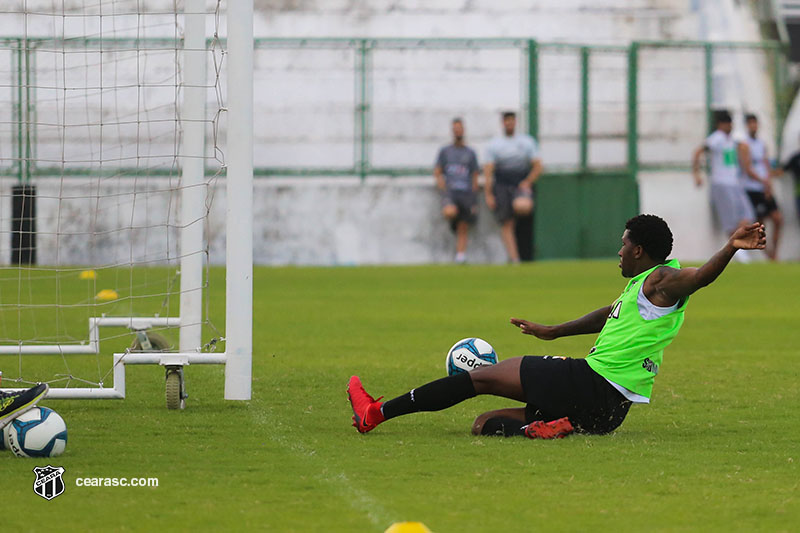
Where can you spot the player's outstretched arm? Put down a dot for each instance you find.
(698, 179)
(670, 284)
(591, 323)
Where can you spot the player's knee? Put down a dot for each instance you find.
(480, 420)
(486, 380)
(450, 211)
(522, 206)
(481, 381)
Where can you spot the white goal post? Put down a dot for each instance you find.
(239, 207)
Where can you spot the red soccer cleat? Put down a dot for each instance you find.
(556, 429)
(366, 410)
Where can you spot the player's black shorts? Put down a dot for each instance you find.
(556, 387)
(763, 205)
(504, 196)
(467, 204)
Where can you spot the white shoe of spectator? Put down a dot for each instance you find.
(743, 256)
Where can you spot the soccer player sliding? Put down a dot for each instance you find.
(591, 395)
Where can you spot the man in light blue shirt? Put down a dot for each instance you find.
(513, 166)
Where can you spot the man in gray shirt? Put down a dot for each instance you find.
(512, 167)
(456, 172)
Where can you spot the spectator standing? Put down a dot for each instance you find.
(757, 183)
(456, 172)
(512, 168)
(731, 205)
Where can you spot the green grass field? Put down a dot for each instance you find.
(717, 450)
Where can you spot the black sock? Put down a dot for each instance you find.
(434, 396)
(503, 426)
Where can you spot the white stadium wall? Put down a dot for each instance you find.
(342, 220)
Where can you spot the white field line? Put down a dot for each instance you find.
(360, 500)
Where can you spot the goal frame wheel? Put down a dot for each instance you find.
(147, 341)
(175, 387)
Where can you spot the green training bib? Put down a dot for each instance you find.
(629, 349)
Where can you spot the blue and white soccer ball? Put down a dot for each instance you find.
(40, 432)
(469, 354)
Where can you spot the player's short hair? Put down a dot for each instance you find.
(722, 116)
(457, 120)
(651, 233)
(750, 116)
(509, 114)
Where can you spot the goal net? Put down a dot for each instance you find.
(110, 156)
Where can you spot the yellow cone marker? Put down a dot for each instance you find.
(107, 294)
(88, 274)
(408, 527)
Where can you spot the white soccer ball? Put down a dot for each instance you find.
(40, 432)
(469, 354)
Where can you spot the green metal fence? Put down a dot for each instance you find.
(540, 73)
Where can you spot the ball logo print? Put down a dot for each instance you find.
(469, 354)
(48, 483)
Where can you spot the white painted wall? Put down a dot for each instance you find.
(314, 221)
(687, 209)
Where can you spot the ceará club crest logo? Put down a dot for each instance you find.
(48, 483)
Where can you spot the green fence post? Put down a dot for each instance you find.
(633, 110)
(18, 110)
(362, 109)
(777, 83)
(533, 116)
(709, 65)
(29, 113)
(584, 134)
(533, 89)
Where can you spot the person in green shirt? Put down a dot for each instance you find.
(590, 395)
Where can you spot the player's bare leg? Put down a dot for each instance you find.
(502, 422)
(509, 240)
(501, 379)
(462, 234)
(777, 224)
(450, 212)
(522, 206)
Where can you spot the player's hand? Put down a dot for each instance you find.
(540, 331)
(524, 186)
(491, 202)
(752, 237)
(698, 178)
